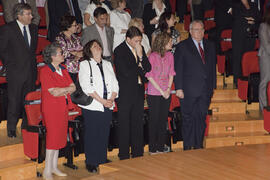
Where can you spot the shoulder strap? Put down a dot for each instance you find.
(91, 75)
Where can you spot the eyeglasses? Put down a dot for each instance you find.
(197, 30)
(60, 53)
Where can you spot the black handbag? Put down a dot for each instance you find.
(79, 97)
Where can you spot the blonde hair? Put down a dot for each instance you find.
(135, 22)
(161, 40)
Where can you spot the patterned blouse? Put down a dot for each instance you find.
(69, 45)
(174, 35)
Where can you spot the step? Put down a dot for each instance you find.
(11, 152)
(228, 81)
(237, 139)
(3, 124)
(225, 95)
(227, 107)
(20, 169)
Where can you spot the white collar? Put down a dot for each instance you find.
(21, 25)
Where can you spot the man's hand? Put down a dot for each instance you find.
(180, 93)
(139, 50)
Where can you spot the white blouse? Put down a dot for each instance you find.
(90, 10)
(145, 43)
(110, 81)
(119, 21)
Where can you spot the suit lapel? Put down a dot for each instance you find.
(205, 48)
(132, 58)
(108, 38)
(20, 35)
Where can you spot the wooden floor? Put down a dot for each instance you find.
(250, 162)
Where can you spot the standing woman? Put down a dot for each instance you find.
(89, 12)
(56, 87)
(151, 13)
(166, 24)
(264, 58)
(119, 21)
(159, 87)
(97, 115)
(70, 44)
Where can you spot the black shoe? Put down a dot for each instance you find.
(91, 168)
(187, 148)
(11, 133)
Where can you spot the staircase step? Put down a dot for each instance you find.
(237, 139)
(20, 169)
(11, 152)
(3, 124)
(228, 81)
(225, 95)
(227, 107)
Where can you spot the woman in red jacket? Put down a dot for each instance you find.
(56, 87)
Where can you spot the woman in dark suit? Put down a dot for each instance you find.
(56, 87)
(151, 13)
(97, 115)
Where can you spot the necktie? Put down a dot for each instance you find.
(25, 36)
(135, 55)
(103, 79)
(202, 53)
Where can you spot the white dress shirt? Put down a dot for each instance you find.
(145, 43)
(110, 81)
(119, 21)
(27, 31)
(103, 36)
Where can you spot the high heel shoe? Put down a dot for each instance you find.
(59, 173)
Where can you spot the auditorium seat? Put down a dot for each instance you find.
(42, 14)
(42, 43)
(40, 64)
(187, 19)
(209, 19)
(250, 73)
(2, 20)
(2, 78)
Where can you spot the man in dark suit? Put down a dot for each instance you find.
(195, 80)
(100, 31)
(131, 64)
(17, 50)
(8, 10)
(59, 8)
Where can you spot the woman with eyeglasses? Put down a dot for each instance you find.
(70, 44)
(56, 87)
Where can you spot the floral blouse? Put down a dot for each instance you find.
(69, 45)
(174, 35)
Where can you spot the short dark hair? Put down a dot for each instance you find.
(162, 23)
(50, 51)
(19, 8)
(87, 54)
(99, 11)
(66, 22)
(132, 32)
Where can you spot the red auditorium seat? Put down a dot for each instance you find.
(2, 79)
(266, 110)
(187, 18)
(226, 46)
(42, 14)
(40, 64)
(209, 20)
(42, 43)
(42, 33)
(250, 65)
(2, 20)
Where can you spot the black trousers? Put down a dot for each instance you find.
(181, 9)
(194, 112)
(96, 135)
(17, 90)
(241, 43)
(158, 111)
(130, 119)
(198, 10)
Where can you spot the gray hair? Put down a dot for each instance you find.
(19, 8)
(195, 21)
(49, 51)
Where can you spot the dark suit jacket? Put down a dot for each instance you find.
(8, 10)
(91, 32)
(17, 56)
(191, 73)
(127, 71)
(57, 9)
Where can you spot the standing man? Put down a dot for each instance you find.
(17, 50)
(100, 31)
(195, 80)
(131, 64)
(8, 10)
(59, 8)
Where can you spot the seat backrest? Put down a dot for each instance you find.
(33, 107)
(226, 40)
(42, 14)
(250, 63)
(42, 43)
(268, 93)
